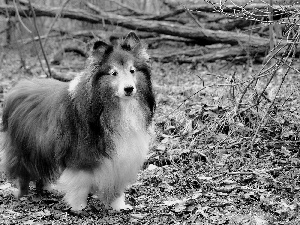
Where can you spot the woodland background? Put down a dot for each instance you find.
(226, 80)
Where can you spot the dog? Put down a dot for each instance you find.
(90, 135)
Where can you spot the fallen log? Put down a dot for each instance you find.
(231, 25)
(253, 44)
(176, 54)
(227, 53)
(205, 36)
(200, 35)
(105, 36)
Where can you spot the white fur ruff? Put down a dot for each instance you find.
(73, 84)
(109, 180)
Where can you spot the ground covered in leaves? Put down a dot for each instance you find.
(209, 163)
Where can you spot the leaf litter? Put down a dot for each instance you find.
(201, 169)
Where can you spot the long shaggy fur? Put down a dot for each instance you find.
(82, 132)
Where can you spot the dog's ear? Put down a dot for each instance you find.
(130, 41)
(133, 43)
(97, 49)
(95, 45)
(99, 45)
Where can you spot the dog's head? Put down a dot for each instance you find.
(121, 66)
(114, 73)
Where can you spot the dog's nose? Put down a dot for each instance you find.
(128, 90)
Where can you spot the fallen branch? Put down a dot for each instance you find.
(90, 34)
(229, 26)
(167, 38)
(203, 36)
(171, 56)
(251, 45)
(63, 76)
(226, 53)
(58, 56)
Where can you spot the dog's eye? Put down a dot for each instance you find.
(113, 73)
(132, 70)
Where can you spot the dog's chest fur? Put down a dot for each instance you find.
(132, 138)
(131, 144)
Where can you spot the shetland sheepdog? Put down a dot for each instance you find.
(90, 135)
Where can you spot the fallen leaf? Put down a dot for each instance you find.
(204, 178)
(138, 216)
(5, 186)
(179, 207)
(260, 221)
(151, 167)
(161, 148)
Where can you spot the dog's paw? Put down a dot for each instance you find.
(76, 202)
(122, 207)
(19, 194)
(16, 193)
(119, 204)
(126, 207)
(78, 207)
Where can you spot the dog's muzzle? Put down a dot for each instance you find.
(129, 91)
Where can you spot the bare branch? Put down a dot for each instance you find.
(136, 11)
(19, 17)
(40, 41)
(54, 21)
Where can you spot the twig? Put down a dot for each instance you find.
(136, 11)
(216, 75)
(194, 18)
(36, 38)
(232, 80)
(8, 26)
(19, 18)
(19, 46)
(189, 97)
(257, 77)
(164, 16)
(32, 39)
(54, 21)
(40, 41)
(289, 66)
(262, 123)
(271, 28)
(212, 85)
(255, 172)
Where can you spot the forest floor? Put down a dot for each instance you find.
(206, 166)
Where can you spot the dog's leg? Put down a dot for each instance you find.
(119, 203)
(23, 185)
(77, 185)
(39, 186)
